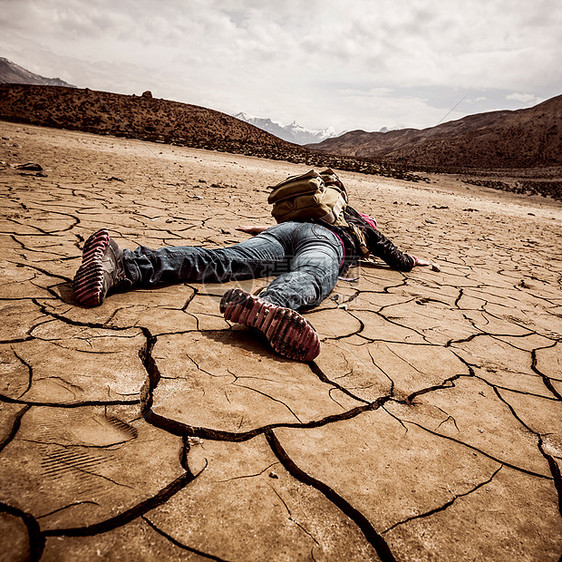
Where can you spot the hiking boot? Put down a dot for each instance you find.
(102, 269)
(288, 333)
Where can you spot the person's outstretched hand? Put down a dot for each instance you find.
(252, 229)
(418, 261)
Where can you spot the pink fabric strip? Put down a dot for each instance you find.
(342, 247)
(370, 220)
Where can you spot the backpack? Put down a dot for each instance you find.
(317, 196)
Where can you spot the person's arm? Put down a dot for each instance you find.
(252, 229)
(382, 247)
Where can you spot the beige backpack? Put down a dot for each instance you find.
(320, 196)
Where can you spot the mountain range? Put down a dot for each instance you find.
(148, 118)
(292, 133)
(11, 73)
(524, 138)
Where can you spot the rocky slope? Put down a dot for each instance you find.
(499, 139)
(11, 73)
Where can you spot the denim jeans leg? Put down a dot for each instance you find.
(306, 257)
(315, 257)
(256, 257)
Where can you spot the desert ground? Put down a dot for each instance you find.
(429, 427)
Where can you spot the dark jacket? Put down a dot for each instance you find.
(376, 243)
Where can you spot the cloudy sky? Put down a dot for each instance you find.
(345, 64)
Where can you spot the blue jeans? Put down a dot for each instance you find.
(305, 257)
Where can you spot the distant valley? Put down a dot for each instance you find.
(147, 118)
(524, 146)
(526, 138)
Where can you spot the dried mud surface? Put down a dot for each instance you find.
(429, 428)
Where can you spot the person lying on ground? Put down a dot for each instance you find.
(305, 258)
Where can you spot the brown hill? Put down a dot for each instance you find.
(133, 116)
(147, 118)
(499, 139)
(11, 73)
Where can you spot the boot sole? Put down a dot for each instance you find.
(288, 333)
(88, 281)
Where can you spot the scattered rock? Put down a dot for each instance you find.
(29, 166)
(35, 175)
(147, 94)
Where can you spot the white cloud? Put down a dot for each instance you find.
(321, 62)
(523, 98)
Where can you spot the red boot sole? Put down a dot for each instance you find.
(88, 281)
(288, 333)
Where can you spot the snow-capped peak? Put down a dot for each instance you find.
(292, 133)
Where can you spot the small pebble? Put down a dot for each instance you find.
(30, 166)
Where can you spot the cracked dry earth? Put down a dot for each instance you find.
(429, 428)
